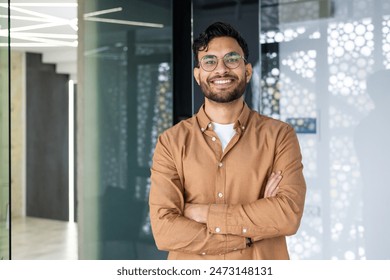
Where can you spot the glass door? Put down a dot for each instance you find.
(325, 69)
(4, 132)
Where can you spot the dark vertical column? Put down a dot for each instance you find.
(243, 15)
(9, 129)
(182, 60)
(75, 152)
(47, 140)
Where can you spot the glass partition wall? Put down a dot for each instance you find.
(4, 133)
(125, 102)
(323, 69)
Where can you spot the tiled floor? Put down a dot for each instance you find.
(43, 239)
(4, 243)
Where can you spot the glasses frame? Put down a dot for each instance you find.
(218, 59)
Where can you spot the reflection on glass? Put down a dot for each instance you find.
(126, 103)
(373, 154)
(316, 65)
(4, 136)
(386, 40)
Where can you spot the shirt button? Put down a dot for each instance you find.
(220, 164)
(220, 194)
(217, 230)
(244, 230)
(214, 139)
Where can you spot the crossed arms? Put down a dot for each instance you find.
(222, 228)
(199, 212)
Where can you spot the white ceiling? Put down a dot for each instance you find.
(48, 27)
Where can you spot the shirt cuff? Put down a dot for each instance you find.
(221, 220)
(216, 219)
(234, 243)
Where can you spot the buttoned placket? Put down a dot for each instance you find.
(221, 160)
(215, 144)
(222, 169)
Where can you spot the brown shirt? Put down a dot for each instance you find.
(189, 166)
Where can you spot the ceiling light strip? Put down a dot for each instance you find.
(38, 26)
(96, 51)
(27, 45)
(73, 23)
(39, 19)
(70, 5)
(46, 35)
(57, 43)
(125, 22)
(4, 33)
(28, 12)
(102, 12)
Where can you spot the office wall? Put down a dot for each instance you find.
(18, 134)
(4, 142)
(47, 140)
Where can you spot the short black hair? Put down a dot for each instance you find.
(218, 29)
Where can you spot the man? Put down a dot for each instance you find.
(226, 183)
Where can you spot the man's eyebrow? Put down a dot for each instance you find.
(209, 55)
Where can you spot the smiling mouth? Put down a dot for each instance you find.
(222, 82)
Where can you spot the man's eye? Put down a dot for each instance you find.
(209, 61)
(232, 59)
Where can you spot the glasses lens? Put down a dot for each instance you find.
(232, 60)
(209, 62)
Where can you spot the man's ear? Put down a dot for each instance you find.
(196, 75)
(248, 72)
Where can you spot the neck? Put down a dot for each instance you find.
(223, 113)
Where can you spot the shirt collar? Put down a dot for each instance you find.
(240, 125)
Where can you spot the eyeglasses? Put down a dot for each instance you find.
(231, 61)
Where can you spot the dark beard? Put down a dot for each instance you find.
(224, 97)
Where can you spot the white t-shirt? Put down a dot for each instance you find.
(225, 133)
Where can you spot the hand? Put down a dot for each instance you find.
(196, 212)
(272, 186)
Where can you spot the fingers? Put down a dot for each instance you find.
(187, 210)
(187, 205)
(272, 188)
(275, 191)
(196, 212)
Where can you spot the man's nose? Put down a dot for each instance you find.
(221, 67)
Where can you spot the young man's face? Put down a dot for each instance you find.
(223, 84)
